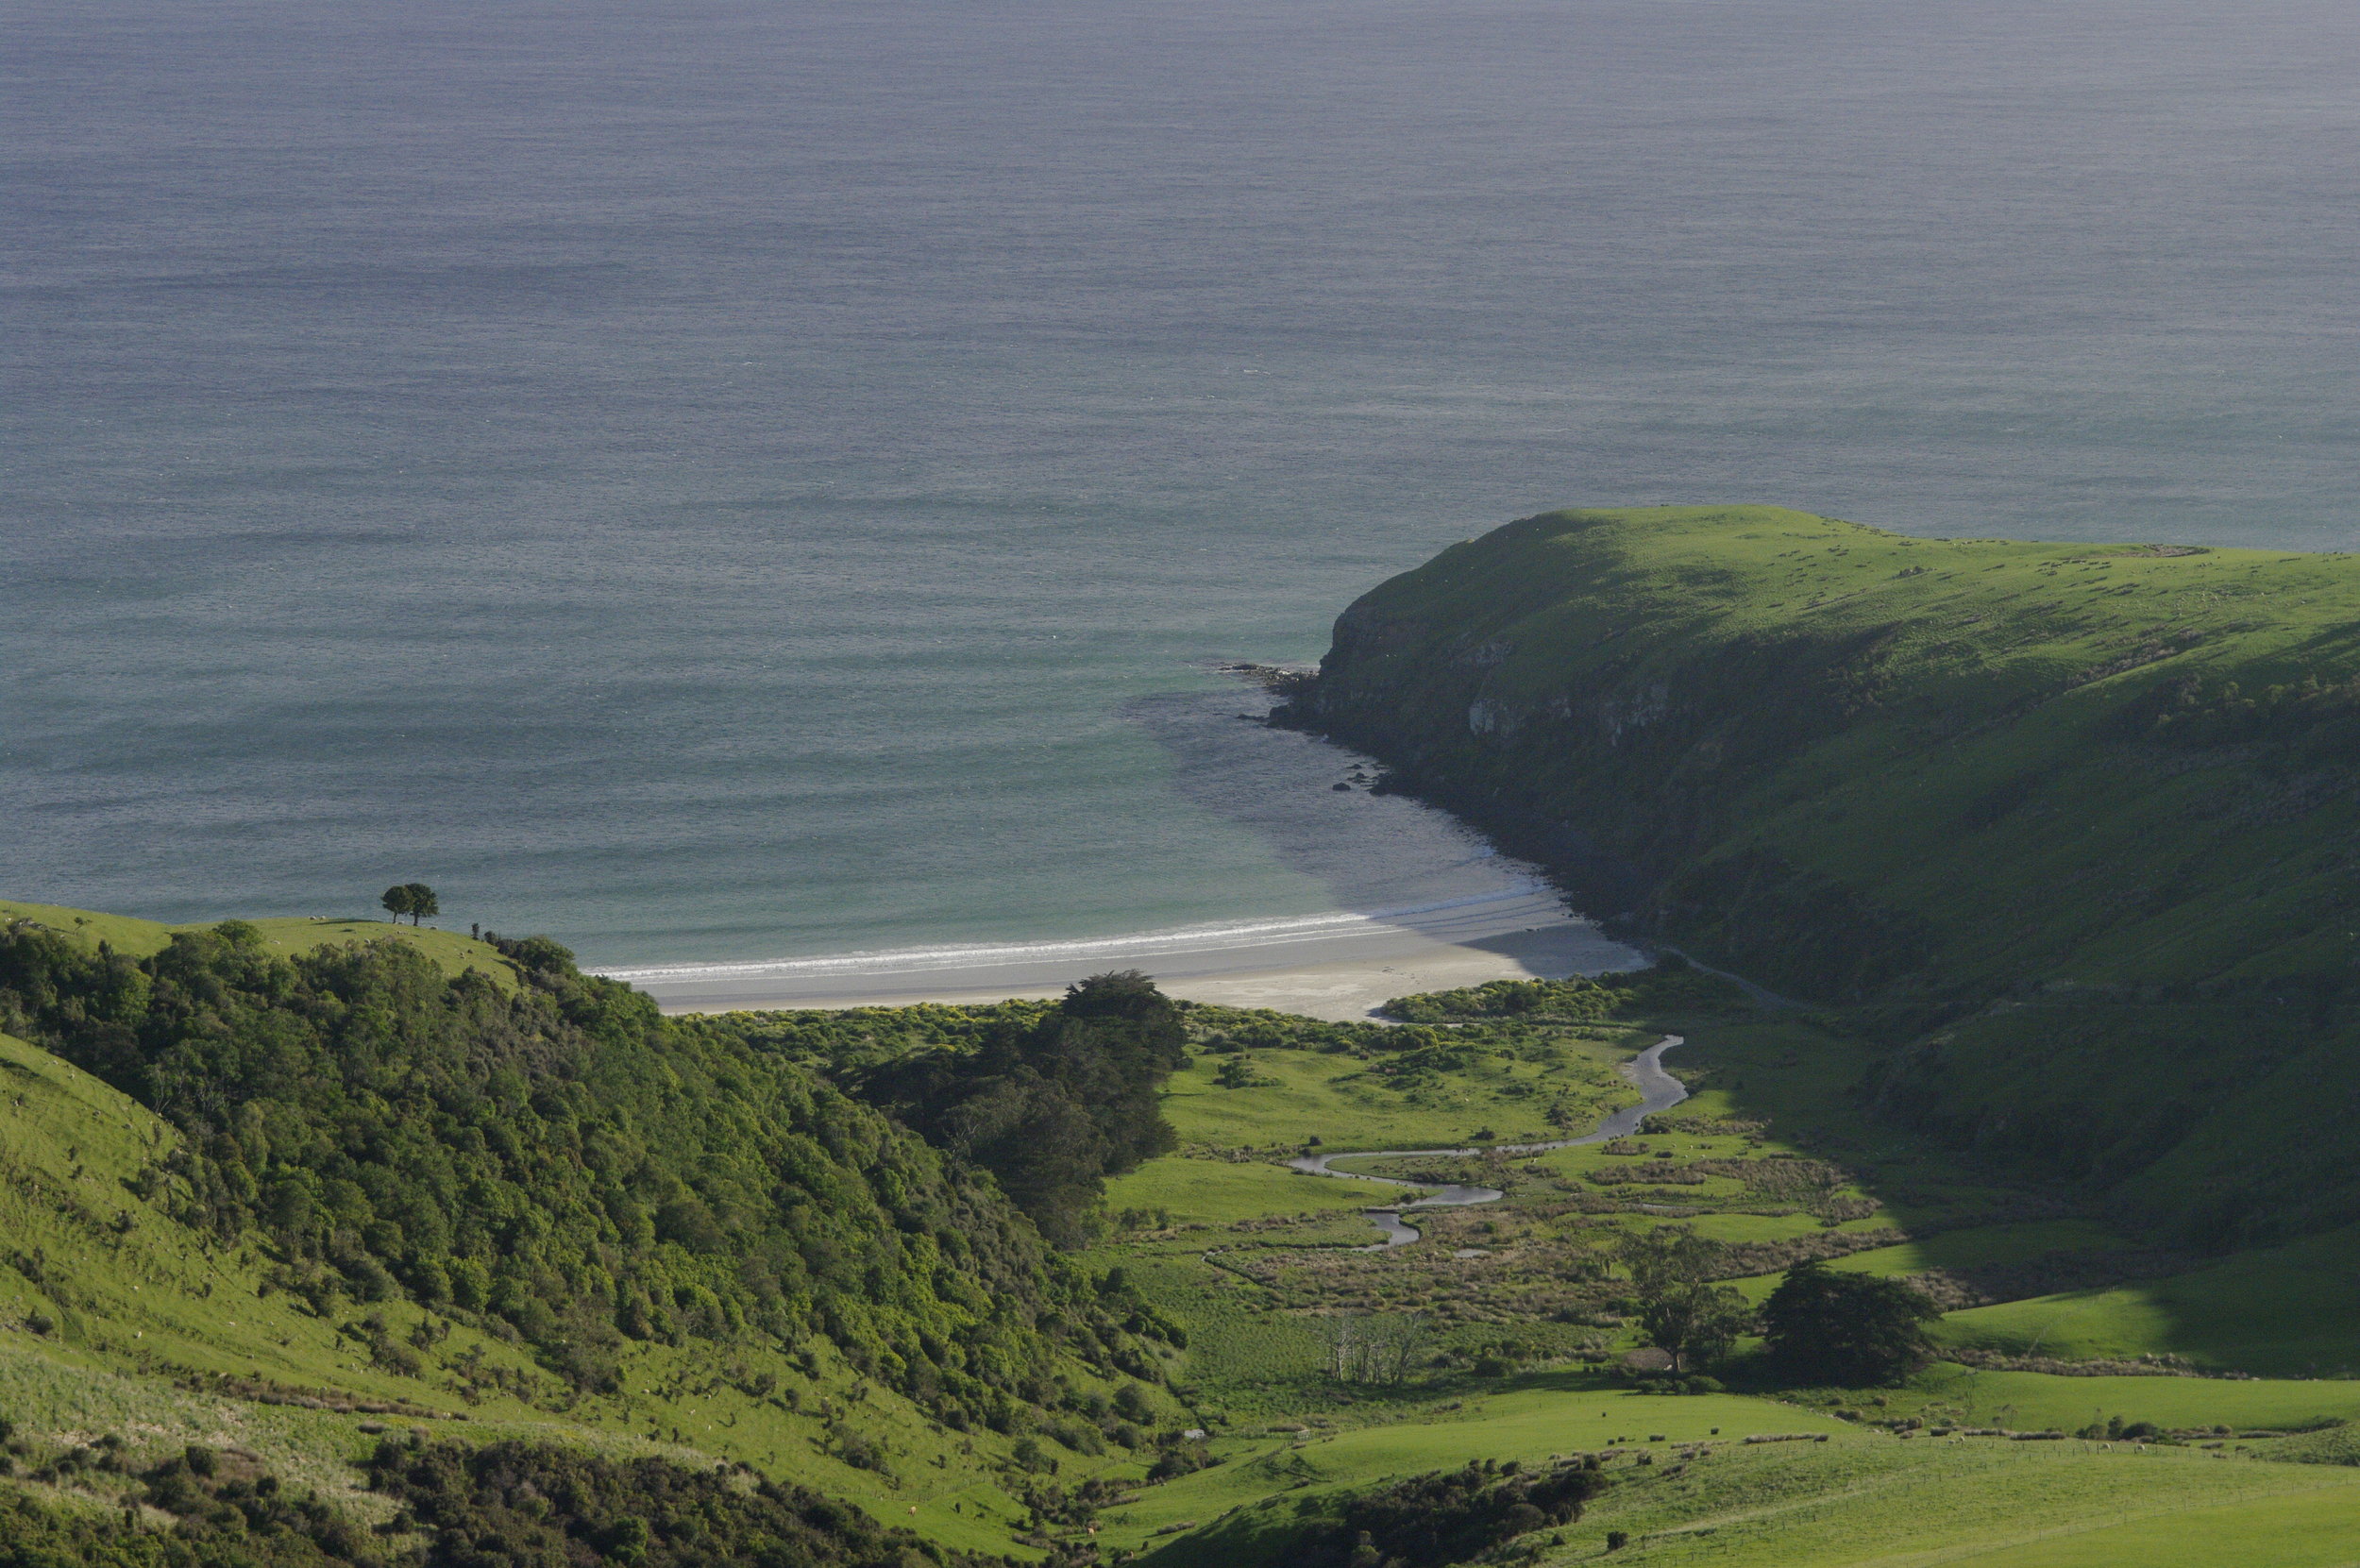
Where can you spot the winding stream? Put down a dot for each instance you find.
(1658, 1090)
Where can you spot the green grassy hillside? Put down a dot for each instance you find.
(1850, 1503)
(2073, 828)
(116, 1320)
(157, 1366)
(285, 935)
(273, 1194)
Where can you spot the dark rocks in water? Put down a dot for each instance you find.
(1345, 787)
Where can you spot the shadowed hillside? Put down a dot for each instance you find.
(2071, 827)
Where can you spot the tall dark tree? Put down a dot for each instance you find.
(398, 900)
(1827, 1326)
(1680, 1310)
(1054, 1108)
(421, 900)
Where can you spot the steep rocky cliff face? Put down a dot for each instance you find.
(2076, 823)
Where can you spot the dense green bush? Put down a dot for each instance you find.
(518, 1505)
(35, 1537)
(1446, 1516)
(1671, 982)
(1825, 1325)
(1575, 1000)
(1053, 1105)
(221, 1518)
(506, 1505)
(1232, 1029)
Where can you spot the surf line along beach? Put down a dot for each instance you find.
(1658, 1090)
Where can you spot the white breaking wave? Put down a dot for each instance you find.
(1186, 940)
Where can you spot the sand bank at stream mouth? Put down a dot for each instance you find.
(1339, 965)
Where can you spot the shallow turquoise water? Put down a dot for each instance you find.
(716, 480)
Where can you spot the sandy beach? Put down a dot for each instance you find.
(1339, 965)
(1414, 901)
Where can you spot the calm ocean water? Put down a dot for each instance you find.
(720, 480)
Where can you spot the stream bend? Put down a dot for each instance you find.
(1658, 1090)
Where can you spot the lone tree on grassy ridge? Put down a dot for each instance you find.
(1822, 1325)
(1680, 1310)
(413, 898)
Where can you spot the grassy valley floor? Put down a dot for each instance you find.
(1770, 1156)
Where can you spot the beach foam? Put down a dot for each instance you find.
(1338, 964)
(1335, 926)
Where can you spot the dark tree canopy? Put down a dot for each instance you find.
(1680, 1310)
(1827, 1325)
(413, 898)
(1447, 1516)
(1127, 994)
(502, 1505)
(1055, 1106)
(519, 1505)
(1696, 1322)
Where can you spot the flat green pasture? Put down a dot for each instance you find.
(1860, 1498)
(1340, 1100)
(1206, 1192)
(1551, 1414)
(2032, 1400)
(1750, 1227)
(1243, 1356)
(1964, 1249)
(2294, 1310)
(1973, 1500)
(2314, 1529)
(123, 933)
(1954, 1249)
(453, 952)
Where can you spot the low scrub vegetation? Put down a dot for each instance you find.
(1448, 1516)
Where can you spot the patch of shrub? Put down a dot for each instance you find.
(1447, 1516)
(1826, 1326)
(1053, 1105)
(1178, 1458)
(518, 1505)
(1667, 1384)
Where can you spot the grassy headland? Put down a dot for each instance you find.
(2071, 833)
